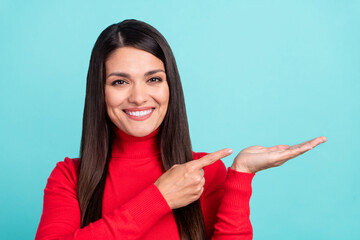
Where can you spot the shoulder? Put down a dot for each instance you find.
(64, 173)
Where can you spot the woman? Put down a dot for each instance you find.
(137, 177)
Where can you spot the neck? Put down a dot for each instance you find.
(129, 147)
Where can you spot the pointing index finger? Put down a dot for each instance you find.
(212, 157)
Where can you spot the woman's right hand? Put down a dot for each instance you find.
(184, 183)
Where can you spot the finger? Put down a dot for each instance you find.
(201, 191)
(301, 148)
(280, 157)
(202, 172)
(317, 141)
(202, 183)
(311, 143)
(277, 148)
(211, 158)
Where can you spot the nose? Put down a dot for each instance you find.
(138, 94)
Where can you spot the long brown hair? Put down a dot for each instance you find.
(97, 136)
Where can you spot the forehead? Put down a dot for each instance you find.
(132, 60)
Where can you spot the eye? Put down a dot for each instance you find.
(155, 79)
(118, 82)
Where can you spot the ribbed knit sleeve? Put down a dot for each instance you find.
(233, 216)
(225, 202)
(61, 213)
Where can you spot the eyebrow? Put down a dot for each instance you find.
(126, 75)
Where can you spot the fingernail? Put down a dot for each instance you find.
(229, 150)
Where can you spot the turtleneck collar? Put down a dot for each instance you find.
(129, 147)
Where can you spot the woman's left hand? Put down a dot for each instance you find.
(257, 158)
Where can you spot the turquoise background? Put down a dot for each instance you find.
(253, 72)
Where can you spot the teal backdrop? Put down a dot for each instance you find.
(253, 73)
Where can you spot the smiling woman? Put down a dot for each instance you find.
(137, 176)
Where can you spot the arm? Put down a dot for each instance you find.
(233, 216)
(225, 202)
(61, 212)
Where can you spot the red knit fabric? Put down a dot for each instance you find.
(133, 207)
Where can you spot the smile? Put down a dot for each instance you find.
(140, 114)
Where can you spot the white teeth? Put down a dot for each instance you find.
(139, 113)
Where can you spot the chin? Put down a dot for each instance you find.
(140, 132)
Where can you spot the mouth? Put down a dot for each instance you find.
(139, 114)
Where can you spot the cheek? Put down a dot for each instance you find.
(163, 97)
(113, 99)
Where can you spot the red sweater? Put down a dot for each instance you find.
(133, 207)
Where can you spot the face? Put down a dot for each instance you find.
(136, 91)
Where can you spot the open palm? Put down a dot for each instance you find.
(257, 158)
